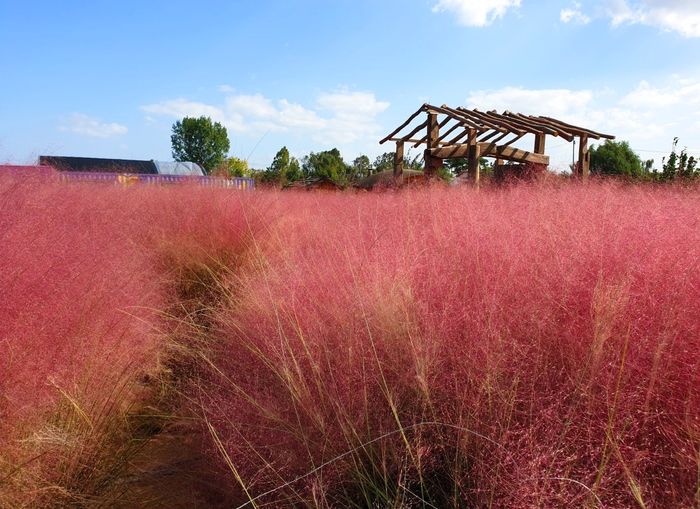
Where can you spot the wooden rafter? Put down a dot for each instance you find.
(492, 120)
(578, 130)
(408, 121)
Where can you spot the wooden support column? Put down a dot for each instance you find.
(540, 143)
(584, 158)
(474, 156)
(398, 162)
(432, 163)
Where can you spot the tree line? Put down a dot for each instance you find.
(206, 143)
(616, 158)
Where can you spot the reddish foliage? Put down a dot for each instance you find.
(533, 342)
(563, 325)
(84, 282)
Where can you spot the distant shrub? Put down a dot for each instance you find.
(616, 158)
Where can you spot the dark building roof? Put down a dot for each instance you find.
(94, 164)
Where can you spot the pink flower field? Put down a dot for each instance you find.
(522, 346)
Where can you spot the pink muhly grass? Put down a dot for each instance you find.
(88, 274)
(533, 346)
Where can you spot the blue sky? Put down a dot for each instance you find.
(108, 79)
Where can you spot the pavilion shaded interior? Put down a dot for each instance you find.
(452, 133)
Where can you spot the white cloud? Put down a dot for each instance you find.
(226, 89)
(649, 116)
(574, 15)
(679, 91)
(682, 16)
(180, 107)
(558, 102)
(338, 117)
(352, 117)
(476, 13)
(84, 124)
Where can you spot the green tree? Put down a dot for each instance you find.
(361, 167)
(679, 165)
(384, 162)
(201, 141)
(294, 172)
(327, 164)
(284, 168)
(233, 167)
(461, 164)
(616, 158)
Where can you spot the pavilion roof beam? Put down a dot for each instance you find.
(457, 116)
(490, 150)
(545, 127)
(442, 124)
(499, 119)
(489, 136)
(458, 137)
(418, 142)
(497, 139)
(535, 128)
(512, 124)
(487, 147)
(498, 125)
(443, 135)
(424, 125)
(398, 129)
(578, 130)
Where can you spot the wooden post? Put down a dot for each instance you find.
(398, 162)
(540, 143)
(584, 158)
(432, 164)
(473, 158)
(474, 167)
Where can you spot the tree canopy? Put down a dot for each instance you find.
(201, 141)
(361, 168)
(327, 164)
(284, 168)
(679, 165)
(234, 167)
(616, 158)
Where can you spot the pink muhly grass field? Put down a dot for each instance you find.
(87, 274)
(524, 346)
(532, 346)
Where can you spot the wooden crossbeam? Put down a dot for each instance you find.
(490, 150)
(513, 154)
(451, 151)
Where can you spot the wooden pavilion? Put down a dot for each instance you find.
(463, 133)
